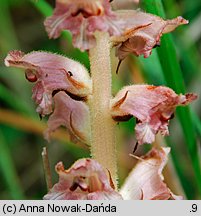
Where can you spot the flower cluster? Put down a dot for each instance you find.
(65, 85)
(86, 179)
(63, 89)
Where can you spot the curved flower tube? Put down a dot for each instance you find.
(52, 73)
(152, 106)
(142, 32)
(72, 114)
(59, 85)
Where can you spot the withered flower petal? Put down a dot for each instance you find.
(145, 181)
(153, 107)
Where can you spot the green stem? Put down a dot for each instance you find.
(173, 75)
(103, 147)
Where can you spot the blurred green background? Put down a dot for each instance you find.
(177, 63)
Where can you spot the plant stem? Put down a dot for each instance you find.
(46, 165)
(103, 147)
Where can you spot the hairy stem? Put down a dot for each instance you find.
(103, 147)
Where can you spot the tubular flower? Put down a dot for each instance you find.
(142, 32)
(145, 181)
(82, 18)
(52, 74)
(72, 114)
(152, 106)
(86, 180)
(134, 31)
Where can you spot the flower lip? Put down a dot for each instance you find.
(85, 179)
(85, 13)
(86, 8)
(152, 106)
(142, 32)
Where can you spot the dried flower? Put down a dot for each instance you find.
(153, 107)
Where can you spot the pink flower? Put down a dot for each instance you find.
(142, 32)
(145, 181)
(82, 18)
(53, 74)
(72, 114)
(135, 31)
(153, 107)
(86, 179)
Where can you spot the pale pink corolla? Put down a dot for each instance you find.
(61, 85)
(152, 106)
(72, 114)
(145, 181)
(142, 32)
(52, 73)
(84, 180)
(82, 19)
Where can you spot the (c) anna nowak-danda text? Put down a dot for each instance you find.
(67, 208)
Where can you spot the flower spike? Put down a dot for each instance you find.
(152, 106)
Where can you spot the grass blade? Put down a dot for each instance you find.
(173, 76)
(8, 170)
